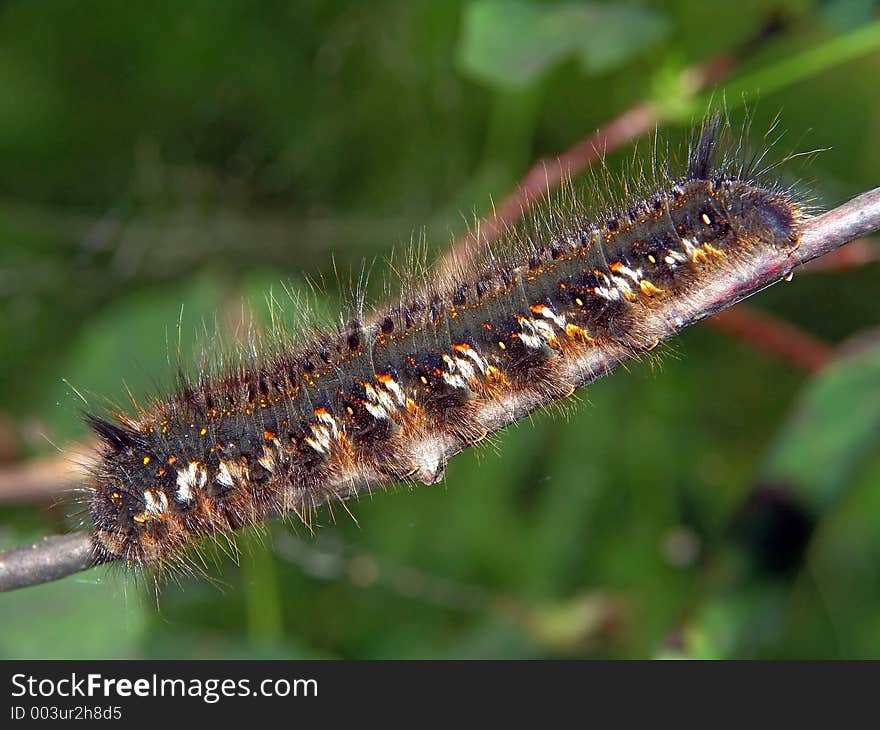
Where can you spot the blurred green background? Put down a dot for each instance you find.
(162, 155)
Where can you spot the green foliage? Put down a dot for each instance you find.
(166, 156)
(832, 431)
(514, 43)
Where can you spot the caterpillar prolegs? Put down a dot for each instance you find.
(391, 396)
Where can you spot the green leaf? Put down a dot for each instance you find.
(832, 430)
(512, 44)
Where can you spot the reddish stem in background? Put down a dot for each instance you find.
(854, 255)
(774, 336)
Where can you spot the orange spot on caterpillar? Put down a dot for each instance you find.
(649, 289)
(203, 432)
(577, 333)
(146, 460)
(494, 374)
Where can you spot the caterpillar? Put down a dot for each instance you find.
(391, 396)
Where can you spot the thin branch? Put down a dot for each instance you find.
(47, 559)
(56, 557)
(829, 231)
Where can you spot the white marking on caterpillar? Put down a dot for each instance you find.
(155, 505)
(268, 460)
(547, 313)
(536, 343)
(455, 381)
(392, 386)
(529, 336)
(695, 250)
(379, 397)
(193, 477)
(470, 352)
(376, 411)
(612, 294)
(321, 442)
(546, 330)
(621, 285)
(635, 275)
(465, 368)
(224, 476)
(322, 415)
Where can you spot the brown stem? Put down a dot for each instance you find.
(47, 559)
(41, 480)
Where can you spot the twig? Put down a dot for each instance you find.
(48, 559)
(56, 557)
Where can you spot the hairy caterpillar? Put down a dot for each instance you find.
(392, 396)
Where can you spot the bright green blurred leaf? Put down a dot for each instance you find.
(833, 428)
(512, 44)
